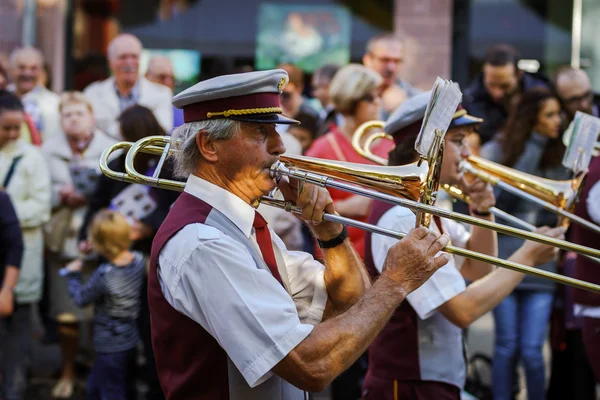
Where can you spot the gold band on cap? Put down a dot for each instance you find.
(247, 111)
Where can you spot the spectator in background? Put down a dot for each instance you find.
(136, 123)
(292, 101)
(355, 94)
(160, 70)
(114, 289)
(72, 159)
(320, 89)
(530, 143)
(11, 254)
(29, 132)
(385, 55)
(3, 77)
(575, 92)
(25, 178)
(27, 66)
(125, 88)
(495, 91)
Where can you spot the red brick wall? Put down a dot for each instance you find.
(426, 27)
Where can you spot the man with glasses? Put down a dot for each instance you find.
(574, 89)
(385, 55)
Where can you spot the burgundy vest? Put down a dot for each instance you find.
(586, 269)
(190, 365)
(394, 354)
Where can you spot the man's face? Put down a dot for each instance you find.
(125, 60)
(245, 160)
(77, 121)
(10, 126)
(387, 59)
(576, 94)
(455, 150)
(291, 99)
(162, 73)
(501, 82)
(320, 89)
(26, 72)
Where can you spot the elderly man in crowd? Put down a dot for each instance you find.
(126, 88)
(160, 70)
(234, 314)
(574, 89)
(385, 55)
(41, 105)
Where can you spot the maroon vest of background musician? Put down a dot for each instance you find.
(400, 361)
(586, 269)
(190, 362)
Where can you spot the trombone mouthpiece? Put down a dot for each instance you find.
(277, 170)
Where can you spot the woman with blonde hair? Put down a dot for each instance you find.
(355, 94)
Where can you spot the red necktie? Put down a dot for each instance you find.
(263, 237)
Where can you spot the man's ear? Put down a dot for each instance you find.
(206, 146)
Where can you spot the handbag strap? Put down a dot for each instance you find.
(336, 148)
(11, 171)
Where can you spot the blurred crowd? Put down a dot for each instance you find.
(64, 224)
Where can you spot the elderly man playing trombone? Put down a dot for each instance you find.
(234, 314)
(419, 354)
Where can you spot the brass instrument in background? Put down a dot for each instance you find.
(374, 182)
(558, 197)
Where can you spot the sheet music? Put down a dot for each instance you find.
(583, 132)
(445, 98)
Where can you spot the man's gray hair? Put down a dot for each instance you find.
(187, 155)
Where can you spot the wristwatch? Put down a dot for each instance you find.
(336, 241)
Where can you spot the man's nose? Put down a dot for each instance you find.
(277, 146)
(465, 150)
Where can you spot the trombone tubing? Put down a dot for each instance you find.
(558, 278)
(280, 168)
(467, 167)
(132, 176)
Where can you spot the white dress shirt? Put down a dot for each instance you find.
(446, 282)
(212, 278)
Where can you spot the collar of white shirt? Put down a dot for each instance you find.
(235, 209)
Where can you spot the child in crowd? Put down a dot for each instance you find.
(114, 288)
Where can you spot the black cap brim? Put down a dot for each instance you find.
(265, 119)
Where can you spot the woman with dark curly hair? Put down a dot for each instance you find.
(531, 143)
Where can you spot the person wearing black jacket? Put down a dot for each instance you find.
(11, 253)
(136, 123)
(498, 87)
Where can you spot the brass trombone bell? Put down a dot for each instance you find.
(558, 197)
(153, 144)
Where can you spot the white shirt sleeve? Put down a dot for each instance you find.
(213, 280)
(593, 203)
(444, 284)
(306, 282)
